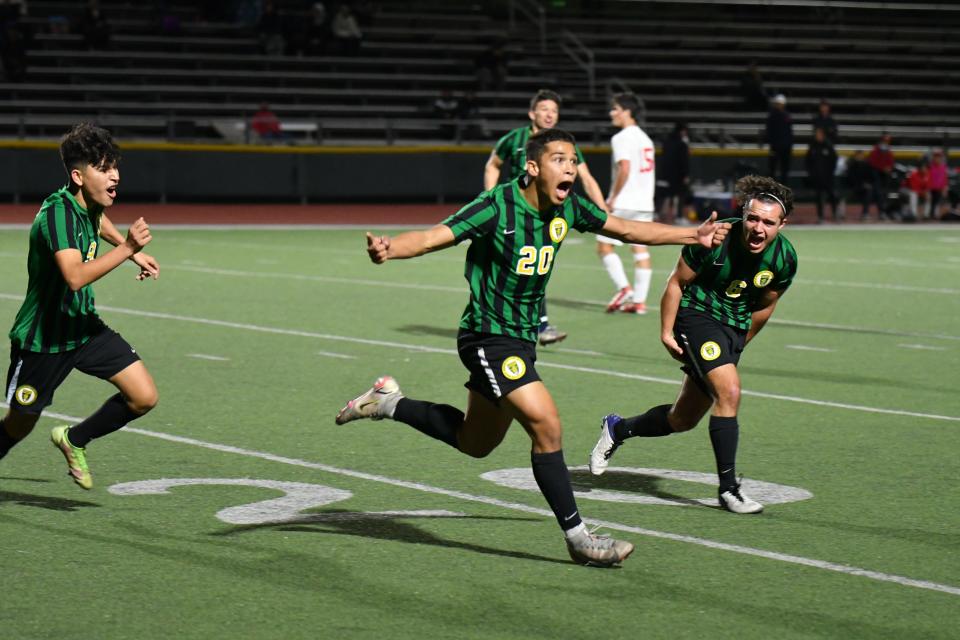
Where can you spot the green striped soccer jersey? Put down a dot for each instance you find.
(53, 318)
(730, 279)
(512, 254)
(512, 149)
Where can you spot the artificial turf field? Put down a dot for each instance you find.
(238, 509)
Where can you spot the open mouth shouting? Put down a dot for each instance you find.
(563, 189)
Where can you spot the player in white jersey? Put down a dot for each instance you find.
(631, 197)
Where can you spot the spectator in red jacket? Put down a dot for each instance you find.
(881, 162)
(266, 124)
(918, 188)
(939, 182)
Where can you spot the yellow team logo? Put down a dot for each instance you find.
(710, 351)
(736, 288)
(26, 395)
(558, 230)
(513, 368)
(92, 250)
(762, 279)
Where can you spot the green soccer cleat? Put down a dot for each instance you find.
(76, 460)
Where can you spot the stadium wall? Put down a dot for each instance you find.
(167, 172)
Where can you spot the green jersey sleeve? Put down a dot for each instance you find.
(57, 228)
(475, 219)
(504, 148)
(588, 217)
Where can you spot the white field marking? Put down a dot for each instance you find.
(204, 356)
(880, 285)
(331, 354)
(599, 303)
(801, 347)
(921, 346)
(300, 276)
(516, 506)
(554, 365)
(581, 352)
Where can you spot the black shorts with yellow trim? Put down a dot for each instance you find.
(33, 377)
(497, 364)
(707, 344)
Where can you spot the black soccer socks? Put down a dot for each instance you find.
(724, 435)
(553, 478)
(113, 415)
(6, 441)
(440, 421)
(651, 424)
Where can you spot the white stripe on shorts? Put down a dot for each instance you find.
(13, 381)
(486, 367)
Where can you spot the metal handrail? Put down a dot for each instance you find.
(582, 56)
(534, 12)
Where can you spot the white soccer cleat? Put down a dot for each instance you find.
(373, 403)
(598, 551)
(618, 299)
(606, 445)
(551, 335)
(734, 501)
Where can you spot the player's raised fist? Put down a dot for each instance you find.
(377, 247)
(138, 235)
(712, 233)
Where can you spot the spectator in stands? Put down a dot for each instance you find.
(779, 134)
(318, 30)
(821, 161)
(939, 182)
(753, 90)
(273, 42)
(881, 163)
(94, 27)
(859, 181)
(346, 31)
(823, 119)
(266, 124)
(490, 66)
(445, 107)
(15, 37)
(917, 184)
(673, 167)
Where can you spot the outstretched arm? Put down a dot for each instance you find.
(409, 244)
(491, 171)
(682, 276)
(765, 309)
(79, 274)
(709, 234)
(149, 267)
(591, 187)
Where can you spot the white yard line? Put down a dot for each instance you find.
(205, 356)
(554, 365)
(516, 506)
(330, 354)
(802, 347)
(922, 347)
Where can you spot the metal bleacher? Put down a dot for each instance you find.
(882, 66)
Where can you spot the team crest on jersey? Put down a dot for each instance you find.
(558, 230)
(513, 368)
(26, 395)
(762, 279)
(736, 288)
(92, 250)
(710, 351)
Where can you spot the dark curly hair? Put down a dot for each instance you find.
(764, 189)
(88, 144)
(539, 141)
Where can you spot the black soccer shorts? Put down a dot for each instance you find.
(33, 377)
(497, 364)
(707, 344)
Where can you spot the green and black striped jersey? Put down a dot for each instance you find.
(730, 279)
(53, 318)
(512, 149)
(512, 254)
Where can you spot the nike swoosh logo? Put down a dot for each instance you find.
(508, 232)
(570, 517)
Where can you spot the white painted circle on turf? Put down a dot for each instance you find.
(764, 492)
